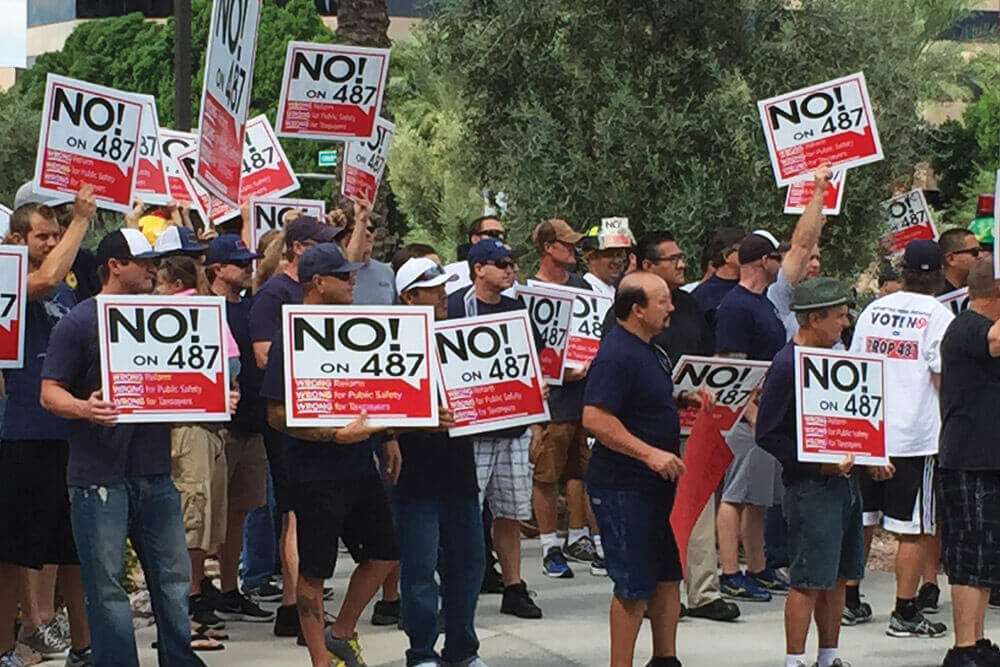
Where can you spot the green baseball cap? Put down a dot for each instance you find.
(818, 293)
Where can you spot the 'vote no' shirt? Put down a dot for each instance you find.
(905, 329)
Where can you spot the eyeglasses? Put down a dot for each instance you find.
(503, 264)
(429, 274)
(498, 234)
(967, 251)
(676, 257)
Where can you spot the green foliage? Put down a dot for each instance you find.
(18, 144)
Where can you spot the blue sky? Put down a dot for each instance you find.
(13, 29)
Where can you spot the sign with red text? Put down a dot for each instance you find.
(211, 209)
(340, 360)
(163, 358)
(839, 406)
(731, 380)
(830, 123)
(150, 183)
(800, 193)
(266, 170)
(908, 217)
(225, 96)
(268, 213)
(489, 371)
(957, 300)
(584, 337)
(172, 144)
(364, 162)
(89, 135)
(331, 91)
(13, 301)
(550, 310)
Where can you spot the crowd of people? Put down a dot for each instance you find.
(434, 522)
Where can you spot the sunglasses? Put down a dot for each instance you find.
(429, 274)
(497, 234)
(968, 251)
(503, 264)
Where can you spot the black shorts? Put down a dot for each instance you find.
(34, 504)
(903, 504)
(969, 501)
(355, 511)
(275, 446)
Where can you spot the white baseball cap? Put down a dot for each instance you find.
(421, 272)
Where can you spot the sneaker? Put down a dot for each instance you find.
(581, 551)
(855, 615)
(210, 595)
(61, 622)
(988, 651)
(234, 606)
(45, 641)
(716, 610)
(918, 627)
(202, 614)
(928, 599)
(11, 659)
(742, 587)
(769, 580)
(83, 659)
(386, 613)
(265, 591)
(492, 581)
(344, 652)
(965, 657)
(554, 564)
(517, 602)
(286, 621)
(598, 567)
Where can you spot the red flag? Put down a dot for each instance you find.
(705, 460)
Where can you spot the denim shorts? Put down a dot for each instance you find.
(639, 546)
(825, 533)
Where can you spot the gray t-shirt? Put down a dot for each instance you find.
(374, 285)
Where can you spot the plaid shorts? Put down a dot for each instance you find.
(969, 506)
(504, 475)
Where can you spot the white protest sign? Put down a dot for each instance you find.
(340, 360)
(172, 144)
(331, 91)
(225, 96)
(150, 183)
(908, 218)
(13, 301)
(731, 380)
(268, 213)
(957, 300)
(550, 310)
(830, 123)
(489, 371)
(364, 163)
(163, 358)
(89, 135)
(586, 323)
(839, 406)
(211, 209)
(615, 233)
(800, 193)
(5, 214)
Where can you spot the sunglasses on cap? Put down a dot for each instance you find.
(502, 264)
(497, 234)
(429, 274)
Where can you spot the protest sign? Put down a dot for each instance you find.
(589, 309)
(800, 193)
(830, 123)
(269, 213)
(615, 233)
(150, 183)
(956, 300)
(908, 218)
(13, 301)
(89, 135)
(211, 209)
(731, 380)
(172, 144)
(225, 96)
(340, 360)
(331, 91)
(163, 358)
(839, 406)
(489, 372)
(266, 170)
(550, 310)
(4, 220)
(364, 162)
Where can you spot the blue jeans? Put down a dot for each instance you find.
(447, 535)
(147, 510)
(775, 537)
(259, 559)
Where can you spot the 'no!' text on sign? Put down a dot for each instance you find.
(89, 135)
(839, 405)
(828, 123)
(364, 162)
(173, 144)
(550, 310)
(489, 371)
(586, 322)
(269, 213)
(163, 359)
(340, 360)
(908, 218)
(13, 300)
(731, 380)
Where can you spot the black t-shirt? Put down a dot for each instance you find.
(435, 465)
(970, 395)
(709, 295)
(566, 401)
(748, 323)
(687, 333)
(249, 417)
(265, 313)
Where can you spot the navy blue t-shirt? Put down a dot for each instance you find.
(629, 377)
(435, 465)
(265, 312)
(314, 461)
(249, 418)
(748, 323)
(709, 294)
(25, 418)
(99, 454)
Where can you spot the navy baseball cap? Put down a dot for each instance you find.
(228, 248)
(324, 259)
(125, 244)
(922, 255)
(487, 250)
(306, 228)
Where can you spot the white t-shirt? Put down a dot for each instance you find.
(599, 285)
(689, 287)
(905, 329)
(460, 269)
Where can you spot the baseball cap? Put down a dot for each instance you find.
(124, 244)
(922, 255)
(421, 272)
(818, 293)
(307, 228)
(178, 240)
(324, 259)
(27, 194)
(487, 250)
(228, 248)
(757, 244)
(555, 229)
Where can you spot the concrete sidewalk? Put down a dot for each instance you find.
(574, 631)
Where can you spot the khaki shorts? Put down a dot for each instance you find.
(562, 449)
(198, 466)
(246, 460)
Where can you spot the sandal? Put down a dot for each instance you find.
(202, 642)
(211, 633)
